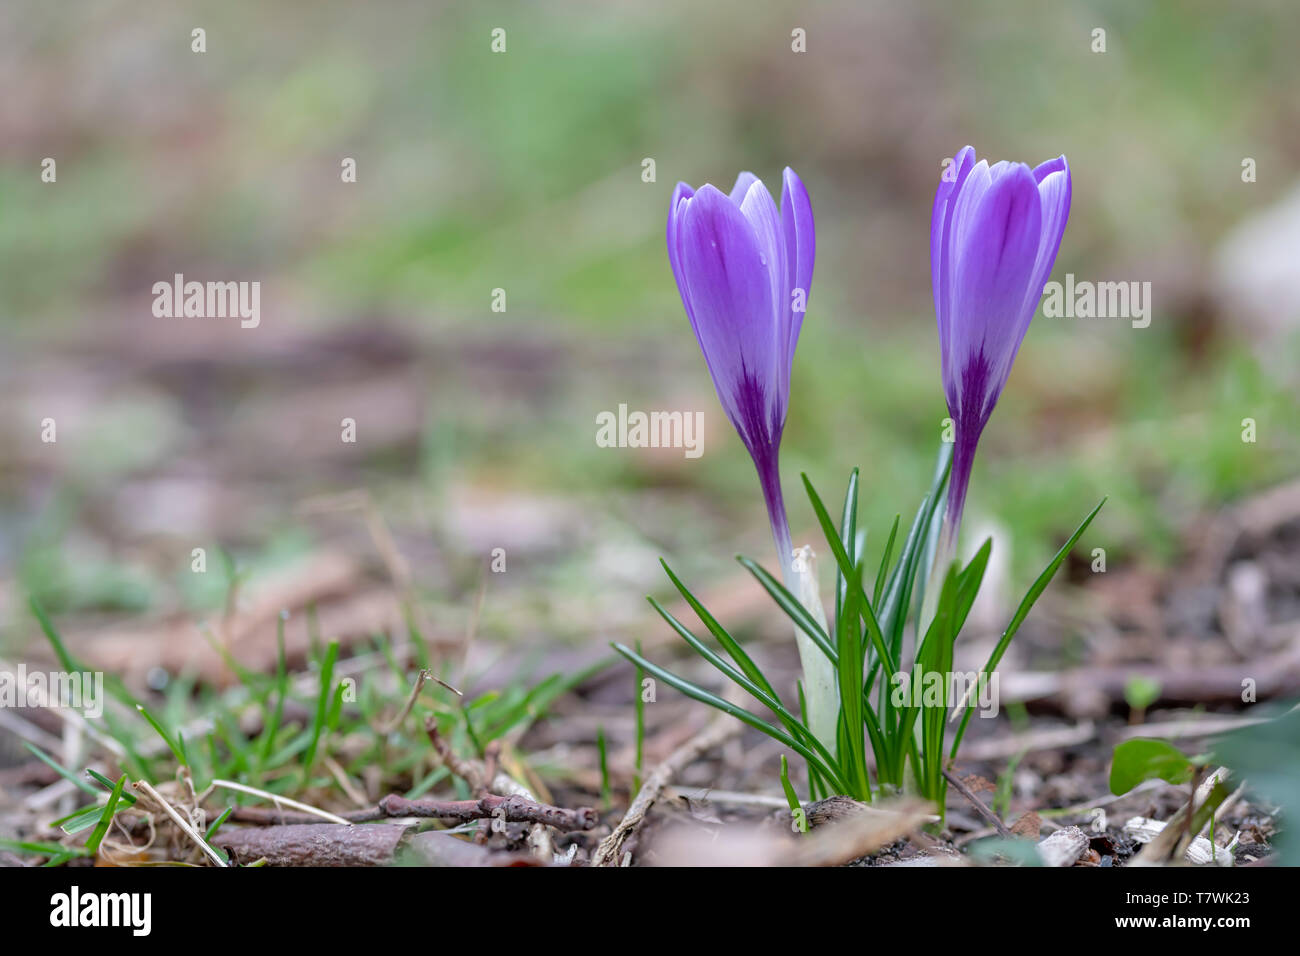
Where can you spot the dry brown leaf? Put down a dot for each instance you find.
(1028, 825)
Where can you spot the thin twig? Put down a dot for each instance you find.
(979, 806)
(722, 728)
(512, 808)
(467, 770)
(421, 679)
(485, 784)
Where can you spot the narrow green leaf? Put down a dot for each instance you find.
(110, 808)
(171, 745)
(80, 819)
(44, 849)
(852, 749)
(816, 789)
(322, 704)
(842, 561)
(112, 683)
(272, 721)
(792, 798)
(899, 591)
(640, 727)
(968, 584)
(792, 724)
(791, 606)
(225, 814)
(882, 574)
(61, 770)
(720, 634)
(704, 697)
(937, 634)
(107, 784)
(848, 536)
(603, 751)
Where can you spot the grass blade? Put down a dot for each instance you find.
(791, 606)
(882, 574)
(792, 798)
(216, 824)
(852, 747)
(171, 745)
(716, 702)
(322, 704)
(848, 536)
(737, 653)
(61, 770)
(110, 808)
(792, 724)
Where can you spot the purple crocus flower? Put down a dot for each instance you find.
(744, 268)
(994, 235)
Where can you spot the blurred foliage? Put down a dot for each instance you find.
(523, 171)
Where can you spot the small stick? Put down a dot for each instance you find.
(465, 769)
(721, 729)
(514, 809)
(979, 806)
(420, 679)
(481, 782)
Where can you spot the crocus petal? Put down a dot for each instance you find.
(676, 205)
(730, 295)
(995, 258)
(760, 210)
(801, 252)
(1054, 190)
(953, 176)
(743, 182)
(940, 225)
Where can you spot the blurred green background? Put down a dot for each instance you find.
(522, 171)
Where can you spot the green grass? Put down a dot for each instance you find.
(200, 738)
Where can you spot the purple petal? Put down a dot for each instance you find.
(758, 207)
(995, 245)
(940, 225)
(730, 294)
(1054, 188)
(743, 183)
(801, 253)
(682, 194)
